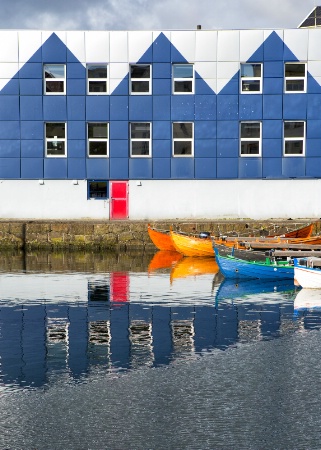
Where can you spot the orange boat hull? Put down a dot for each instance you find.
(161, 239)
(192, 246)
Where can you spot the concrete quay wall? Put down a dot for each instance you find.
(125, 235)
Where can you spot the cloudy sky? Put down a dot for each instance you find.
(152, 14)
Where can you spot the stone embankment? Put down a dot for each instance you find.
(125, 235)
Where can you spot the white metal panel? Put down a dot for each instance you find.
(314, 68)
(205, 45)
(227, 69)
(4, 81)
(138, 43)
(9, 46)
(118, 46)
(45, 35)
(221, 83)
(114, 83)
(206, 69)
(97, 46)
(76, 44)
(8, 70)
(318, 80)
(297, 41)
(250, 41)
(118, 70)
(314, 49)
(228, 45)
(184, 42)
(29, 43)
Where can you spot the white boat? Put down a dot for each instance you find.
(307, 272)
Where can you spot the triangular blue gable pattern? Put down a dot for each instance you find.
(24, 110)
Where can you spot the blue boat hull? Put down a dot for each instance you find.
(241, 269)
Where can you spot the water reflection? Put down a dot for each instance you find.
(67, 316)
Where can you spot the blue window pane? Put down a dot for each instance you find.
(183, 71)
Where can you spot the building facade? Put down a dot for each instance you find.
(160, 124)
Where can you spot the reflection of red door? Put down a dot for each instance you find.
(119, 199)
(119, 287)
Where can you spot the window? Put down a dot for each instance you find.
(97, 77)
(98, 189)
(54, 79)
(294, 138)
(250, 143)
(251, 78)
(55, 139)
(140, 79)
(140, 139)
(295, 77)
(183, 144)
(183, 78)
(97, 139)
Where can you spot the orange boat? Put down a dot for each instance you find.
(161, 239)
(164, 259)
(304, 232)
(194, 266)
(191, 245)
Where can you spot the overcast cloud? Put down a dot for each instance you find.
(152, 14)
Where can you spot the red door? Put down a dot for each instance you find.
(119, 199)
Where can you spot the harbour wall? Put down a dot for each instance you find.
(126, 235)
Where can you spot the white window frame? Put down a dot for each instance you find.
(141, 139)
(95, 139)
(294, 138)
(182, 79)
(140, 80)
(183, 140)
(287, 78)
(95, 79)
(58, 79)
(249, 79)
(56, 139)
(249, 139)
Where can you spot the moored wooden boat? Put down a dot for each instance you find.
(161, 239)
(303, 232)
(307, 272)
(190, 245)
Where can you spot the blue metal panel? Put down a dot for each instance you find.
(76, 168)
(119, 130)
(119, 169)
(205, 129)
(176, 56)
(9, 129)
(54, 50)
(228, 148)
(182, 168)
(250, 167)
(182, 107)
(313, 148)
(313, 85)
(75, 70)
(9, 109)
(55, 107)
(141, 107)
(273, 69)
(161, 49)
(162, 148)
(32, 148)
(162, 129)
(228, 129)
(273, 86)
(31, 107)
(31, 70)
(32, 129)
(313, 167)
(31, 168)
(250, 107)
(273, 48)
(313, 129)
(227, 107)
(118, 108)
(162, 107)
(272, 168)
(118, 148)
(272, 129)
(162, 86)
(293, 167)
(9, 168)
(161, 168)
(272, 148)
(313, 106)
(55, 168)
(294, 106)
(205, 148)
(31, 87)
(232, 87)
(140, 168)
(10, 148)
(227, 168)
(76, 130)
(272, 107)
(161, 70)
(76, 87)
(122, 88)
(77, 148)
(97, 168)
(205, 107)
(97, 107)
(201, 87)
(76, 107)
(11, 88)
(205, 168)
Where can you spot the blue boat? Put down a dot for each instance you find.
(267, 267)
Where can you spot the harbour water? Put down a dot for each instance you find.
(154, 351)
